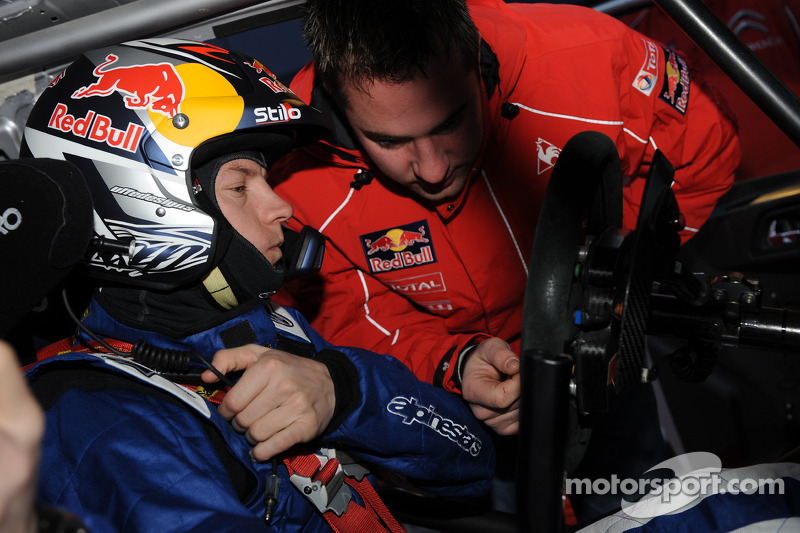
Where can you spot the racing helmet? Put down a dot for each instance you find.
(138, 120)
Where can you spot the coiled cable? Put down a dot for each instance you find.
(159, 359)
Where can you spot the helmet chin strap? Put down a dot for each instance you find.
(243, 274)
(219, 289)
(302, 256)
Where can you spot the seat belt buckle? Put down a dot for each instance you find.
(326, 490)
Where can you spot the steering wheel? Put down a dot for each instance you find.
(586, 307)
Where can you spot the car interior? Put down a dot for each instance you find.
(713, 325)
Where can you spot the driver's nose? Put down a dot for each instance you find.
(275, 210)
(431, 163)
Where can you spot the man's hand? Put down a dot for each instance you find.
(280, 400)
(490, 384)
(21, 429)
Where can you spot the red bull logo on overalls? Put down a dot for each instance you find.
(675, 90)
(156, 87)
(397, 248)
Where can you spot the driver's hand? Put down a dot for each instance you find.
(490, 384)
(280, 400)
(21, 429)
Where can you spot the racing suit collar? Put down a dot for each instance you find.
(177, 314)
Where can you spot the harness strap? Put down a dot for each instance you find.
(68, 345)
(372, 517)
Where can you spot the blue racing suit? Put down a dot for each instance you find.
(128, 450)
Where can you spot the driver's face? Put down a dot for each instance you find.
(251, 206)
(424, 134)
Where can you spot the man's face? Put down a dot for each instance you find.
(424, 134)
(251, 206)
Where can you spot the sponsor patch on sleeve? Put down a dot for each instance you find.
(675, 89)
(398, 248)
(647, 78)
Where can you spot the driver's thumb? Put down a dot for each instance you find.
(231, 359)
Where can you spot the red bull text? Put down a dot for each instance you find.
(96, 127)
(402, 260)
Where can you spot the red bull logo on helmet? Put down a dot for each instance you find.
(270, 80)
(675, 90)
(398, 248)
(156, 87)
(58, 78)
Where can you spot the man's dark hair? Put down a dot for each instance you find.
(357, 41)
